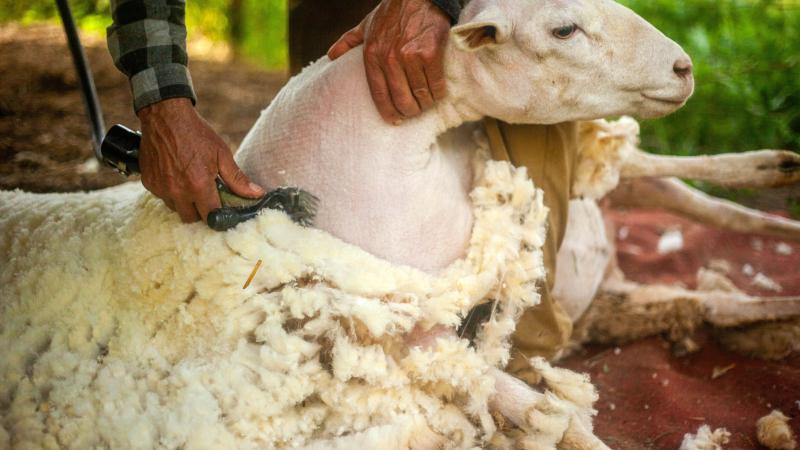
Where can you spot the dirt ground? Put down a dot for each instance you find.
(649, 398)
(44, 132)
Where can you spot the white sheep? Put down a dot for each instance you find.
(123, 328)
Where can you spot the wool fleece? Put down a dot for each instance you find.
(122, 327)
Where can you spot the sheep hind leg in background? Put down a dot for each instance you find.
(623, 311)
(751, 169)
(675, 196)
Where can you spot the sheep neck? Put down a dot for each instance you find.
(455, 109)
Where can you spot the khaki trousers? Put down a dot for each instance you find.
(549, 153)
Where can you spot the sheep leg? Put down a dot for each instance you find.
(673, 195)
(577, 437)
(623, 311)
(404, 436)
(540, 416)
(757, 169)
(514, 399)
(545, 419)
(727, 309)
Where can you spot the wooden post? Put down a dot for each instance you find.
(314, 25)
(236, 29)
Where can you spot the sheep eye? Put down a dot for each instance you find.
(565, 32)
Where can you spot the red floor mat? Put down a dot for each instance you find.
(649, 398)
(778, 259)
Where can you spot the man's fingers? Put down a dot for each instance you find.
(379, 88)
(207, 200)
(187, 211)
(235, 179)
(348, 41)
(399, 88)
(419, 84)
(434, 73)
(160, 190)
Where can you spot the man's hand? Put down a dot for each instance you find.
(181, 156)
(403, 52)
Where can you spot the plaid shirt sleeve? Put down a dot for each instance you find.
(451, 7)
(147, 42)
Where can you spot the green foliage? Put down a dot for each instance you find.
(91, 15)
(265, 32)
(746, 55)
(793, 205)
(264, 28)
(263, 25)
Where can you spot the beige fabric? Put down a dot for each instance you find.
(549, 153)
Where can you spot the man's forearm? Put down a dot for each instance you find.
(148, 44)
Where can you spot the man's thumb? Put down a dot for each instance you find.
(236, 180)
(352, 38)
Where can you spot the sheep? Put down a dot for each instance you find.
(128, 329)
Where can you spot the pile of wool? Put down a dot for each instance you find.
(121, 327)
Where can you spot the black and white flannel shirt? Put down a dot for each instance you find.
(148, 44)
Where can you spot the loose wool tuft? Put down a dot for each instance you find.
(774, 432)
(705, 439)
(604, 146)
(123, 328)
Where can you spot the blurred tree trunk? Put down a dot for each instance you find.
(236, 28)
(314, 25)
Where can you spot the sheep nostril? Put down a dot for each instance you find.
(683, 68)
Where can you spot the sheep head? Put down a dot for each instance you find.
(550, 61)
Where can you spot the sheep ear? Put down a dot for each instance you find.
(488, 27)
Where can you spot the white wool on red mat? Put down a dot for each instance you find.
(705, 439)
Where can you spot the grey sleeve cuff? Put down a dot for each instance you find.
(451, 7)
(161, 82)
